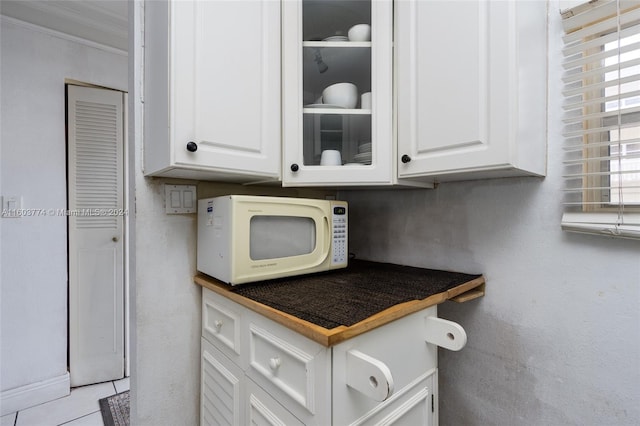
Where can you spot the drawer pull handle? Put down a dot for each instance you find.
(274, 363)
(218, 325)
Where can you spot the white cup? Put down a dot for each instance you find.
(330, 157)
(365, 100)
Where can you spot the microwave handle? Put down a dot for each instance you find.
(327, 235)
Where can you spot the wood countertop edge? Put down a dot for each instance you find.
(331, 337)
(477, 284)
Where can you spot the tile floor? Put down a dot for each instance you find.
(80, 408)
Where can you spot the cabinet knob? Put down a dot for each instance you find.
(274, 363)
(192, 146)
(218, 325)
(295, 167)
(405, 158)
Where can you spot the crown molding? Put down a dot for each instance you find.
(58, 34)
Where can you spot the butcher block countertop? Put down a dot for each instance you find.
(334, 306)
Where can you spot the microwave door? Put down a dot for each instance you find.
(276, 237)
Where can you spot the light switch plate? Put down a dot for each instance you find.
(179, 199)
(11, 206)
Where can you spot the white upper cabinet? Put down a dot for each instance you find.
(337, 88)
(427, 91)
(471, 89)
(212, 93)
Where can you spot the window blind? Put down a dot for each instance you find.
(602, 118)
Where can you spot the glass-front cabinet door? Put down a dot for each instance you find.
(337, 85)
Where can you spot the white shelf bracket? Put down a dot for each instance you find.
(446, 334)
(369, 376)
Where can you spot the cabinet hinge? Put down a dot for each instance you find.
(433, 404)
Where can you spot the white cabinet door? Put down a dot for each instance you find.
(212, 89)
(317, 54)
(415, 405)
(222, 389)
(399, 349)
(471, 88)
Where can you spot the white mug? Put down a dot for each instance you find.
(330, 157)
(365, 100)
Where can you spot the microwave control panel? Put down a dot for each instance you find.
(339, 246)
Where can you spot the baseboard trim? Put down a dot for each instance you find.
(17, 399)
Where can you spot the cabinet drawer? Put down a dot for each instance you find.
(286, 366)
(266, 411)
(295, 370)
(221, 324)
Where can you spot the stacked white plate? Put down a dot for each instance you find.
(336, 38)
(364, 147)
(323, 106)
(364, 154)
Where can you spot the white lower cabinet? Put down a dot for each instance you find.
(256, 371)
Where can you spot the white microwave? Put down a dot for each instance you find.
(243, 238)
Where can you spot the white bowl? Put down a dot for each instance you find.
(341, 94)
(360, 32)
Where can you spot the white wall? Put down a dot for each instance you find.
(34, 249)
(165, 323)
(555, 341)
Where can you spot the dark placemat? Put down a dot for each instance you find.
(348, 296)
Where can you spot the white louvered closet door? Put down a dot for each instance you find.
(95, 203)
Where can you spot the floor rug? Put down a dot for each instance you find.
(115, 409)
